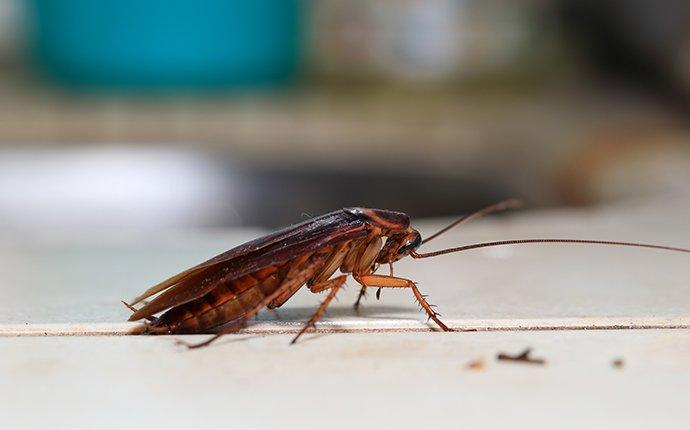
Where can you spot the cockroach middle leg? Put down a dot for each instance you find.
(383, 281)
(337, 281)
(362, 294)
(334, 284)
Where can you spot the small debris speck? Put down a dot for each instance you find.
(523, 357)
(478, 364)
(618, 363)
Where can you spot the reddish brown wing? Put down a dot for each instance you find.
(331, 228)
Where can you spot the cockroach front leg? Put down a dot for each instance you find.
(334, 285)
(363, 290)
(383, 281)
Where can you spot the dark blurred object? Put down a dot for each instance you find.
(643, 41)
(166, 43)
(277, 196)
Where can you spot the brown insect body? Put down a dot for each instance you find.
(268, 271)
(232, 287)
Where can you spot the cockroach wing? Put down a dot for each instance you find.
(284, 245)
(286, 234)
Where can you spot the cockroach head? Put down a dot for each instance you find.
(399, 245)
(396, 226)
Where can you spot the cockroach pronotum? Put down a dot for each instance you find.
(226, 291)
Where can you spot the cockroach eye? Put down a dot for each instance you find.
(409, 246)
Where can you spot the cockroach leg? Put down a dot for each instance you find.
(235, 326)
(284, 297)
(362, 294)
(383, 281)
(334, 284)
(363, 291)
(328, 284)
(390, 273)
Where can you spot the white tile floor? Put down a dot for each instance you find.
(345, 381)
(371, 375)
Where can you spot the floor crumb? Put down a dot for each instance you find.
(618, 363)
(523, 357)
(478, 365)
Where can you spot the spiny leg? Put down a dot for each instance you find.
(318, 288)
(383, 281)
(284, 297)
(390, 273)
(363, 290)
(362, 294)
(334, 284)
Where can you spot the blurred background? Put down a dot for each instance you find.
(161, 115)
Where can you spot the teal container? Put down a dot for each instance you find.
(167, 43)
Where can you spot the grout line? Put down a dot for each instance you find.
(366, 326)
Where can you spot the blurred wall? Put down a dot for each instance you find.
(433, 107)
(10, 29)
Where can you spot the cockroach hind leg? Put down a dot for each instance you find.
(198, 344)
(334, 284)
(188, 345)
(362, 295)
(231, 328)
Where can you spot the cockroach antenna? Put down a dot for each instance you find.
(513, 204)
(526, 241)
(498, 207)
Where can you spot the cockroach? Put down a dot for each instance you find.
(232, 287)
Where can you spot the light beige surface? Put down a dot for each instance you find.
(73, 286)
(349, 381)
(380, 375)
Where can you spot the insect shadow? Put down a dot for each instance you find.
(228, 340)
(300, 313)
